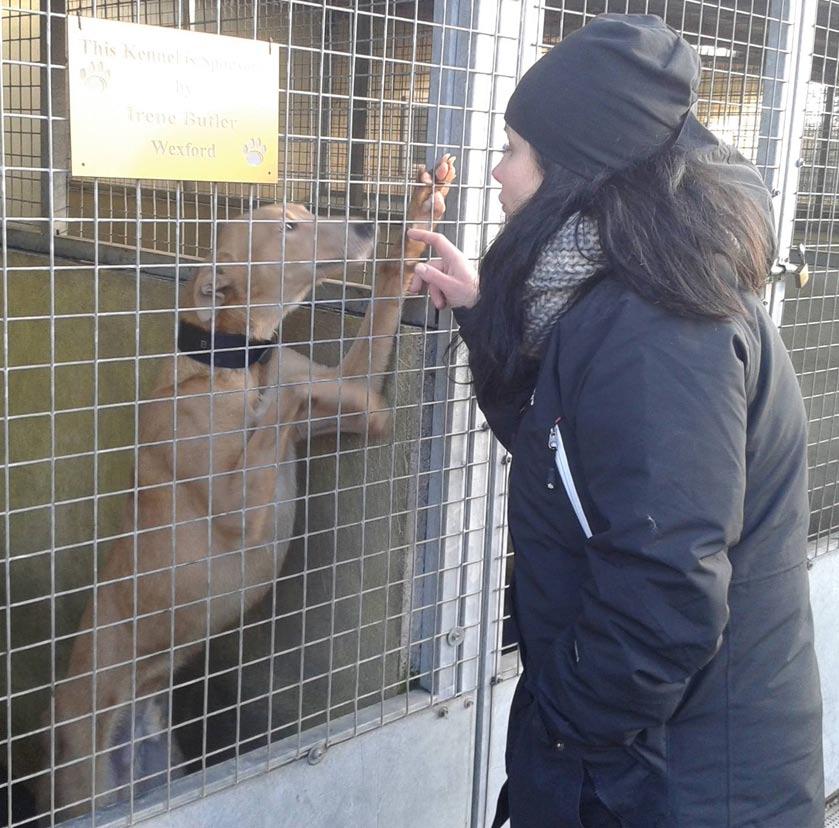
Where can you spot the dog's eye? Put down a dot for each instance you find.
(290, 225)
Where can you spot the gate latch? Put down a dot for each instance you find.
(784, 267)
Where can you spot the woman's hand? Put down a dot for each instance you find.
(451, 280)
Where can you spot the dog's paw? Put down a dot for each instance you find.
(429, 201)
(144, 754)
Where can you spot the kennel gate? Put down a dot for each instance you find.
(377, 614)
(392, 602)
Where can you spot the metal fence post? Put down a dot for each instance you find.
(55, 124)
(527, 16)
(802, 16)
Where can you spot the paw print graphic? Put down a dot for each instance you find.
(95, 76)
(254, 152)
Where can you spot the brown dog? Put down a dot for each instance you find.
(217, 483)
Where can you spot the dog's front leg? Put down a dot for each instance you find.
(371, 350)
(348, 406)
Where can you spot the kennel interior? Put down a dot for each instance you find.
(373, 613)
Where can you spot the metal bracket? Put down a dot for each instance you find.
(783, 268)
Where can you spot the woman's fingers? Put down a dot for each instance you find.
(426, 236)
(437, 297)
(433, 276)
(417, 285)
(425, 274)
(442, 246)
(456, 290)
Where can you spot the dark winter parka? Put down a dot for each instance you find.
(669, 658)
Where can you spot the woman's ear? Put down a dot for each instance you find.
(210, 291)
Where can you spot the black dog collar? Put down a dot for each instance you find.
(221, 350)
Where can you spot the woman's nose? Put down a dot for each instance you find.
(494, 172)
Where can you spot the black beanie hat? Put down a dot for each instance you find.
(609, 95)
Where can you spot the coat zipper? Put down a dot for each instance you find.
(563, 467)
(551, 480)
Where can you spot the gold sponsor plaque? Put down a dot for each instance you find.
(152, 102)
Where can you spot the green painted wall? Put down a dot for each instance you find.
(340, 600)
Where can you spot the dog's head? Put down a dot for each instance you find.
(268, 261)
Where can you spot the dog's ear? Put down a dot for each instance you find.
(210, 291)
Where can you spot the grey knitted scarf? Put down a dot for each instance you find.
(569, 259)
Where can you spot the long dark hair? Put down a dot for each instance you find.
(675, 229)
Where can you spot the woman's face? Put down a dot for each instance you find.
(518, 173)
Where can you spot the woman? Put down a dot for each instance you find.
(669, 672)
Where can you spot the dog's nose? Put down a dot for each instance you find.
(366, 230)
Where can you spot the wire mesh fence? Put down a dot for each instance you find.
(811, 317)
(155, 647)
(367, 601)
(345, 73)
(21, 125)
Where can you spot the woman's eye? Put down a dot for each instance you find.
(505, 149)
